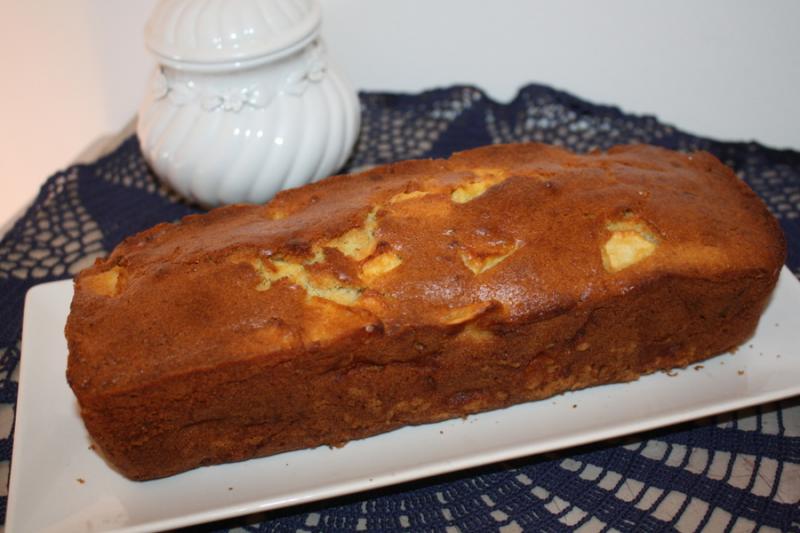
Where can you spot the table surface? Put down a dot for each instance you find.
(76, 71)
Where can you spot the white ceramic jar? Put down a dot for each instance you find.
(245, 101)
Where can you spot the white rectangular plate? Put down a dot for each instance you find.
(59, 484)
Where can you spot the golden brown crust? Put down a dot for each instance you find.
(478, 281)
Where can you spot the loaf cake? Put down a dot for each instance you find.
(411, 293)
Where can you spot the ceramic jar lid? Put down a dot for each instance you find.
(224, 31)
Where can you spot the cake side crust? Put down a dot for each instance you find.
(240, 411)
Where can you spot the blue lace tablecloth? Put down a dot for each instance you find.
(739, 472)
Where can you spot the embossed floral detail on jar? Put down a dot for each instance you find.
(159, 86)
(235, 99)
(314, 71)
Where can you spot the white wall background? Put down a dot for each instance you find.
(74, 70)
